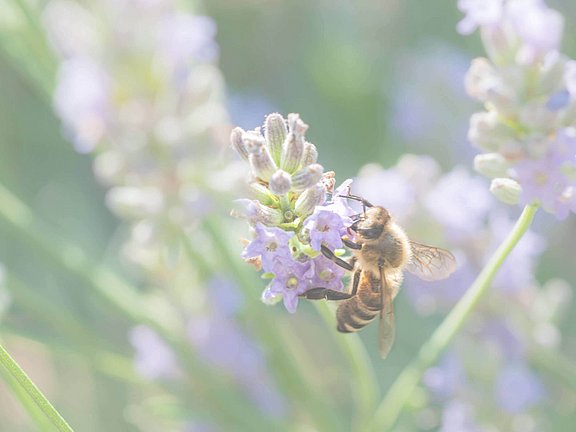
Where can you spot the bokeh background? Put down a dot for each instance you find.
(375, 80)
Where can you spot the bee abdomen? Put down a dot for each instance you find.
(352, 315)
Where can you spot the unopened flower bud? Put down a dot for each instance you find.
(506, 190)
(491, 165)
(275, 133)
(259, 157)
(262, 193)
(238, 143)
(255, 212)
(481, 78)
(310, 155)
(280, 182)
(310, 198)
(487, 133)
(293, 148)
(552, 73)
(307, 177)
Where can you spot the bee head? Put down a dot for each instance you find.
(370, 224)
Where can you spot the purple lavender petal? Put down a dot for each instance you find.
(326, 227)
(82, 100)
(292, 278)
(539, 27)
(271, 243)
(327, 274)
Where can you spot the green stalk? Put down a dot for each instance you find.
(395, 400)
(28, 386)
(362, 376)
(38, 418)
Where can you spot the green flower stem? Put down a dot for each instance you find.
(362, 378)
(38, 418)
(288, 373)
(395, 400)
(28, 386)
(217, 391)
(555, 365)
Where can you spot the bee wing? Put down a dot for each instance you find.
(430, 263)
(387, 328)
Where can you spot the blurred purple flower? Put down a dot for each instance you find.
(447, 377)
(508, 340)
(423, 104)
(479, 13)
(154, 358)
(543, 180)
(388, 188)
(517, 388)
(539, 27)
(271, 243)
(458, 416)
(82, 99)
(220, 341)
(517, 272)
(460, 202)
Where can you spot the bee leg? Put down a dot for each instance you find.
(325, 294)
(339, 261)
(355, 282)
(351, 244)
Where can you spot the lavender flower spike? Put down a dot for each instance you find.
(527, 88)
(290, 211)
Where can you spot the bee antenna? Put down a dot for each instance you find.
(364, 202)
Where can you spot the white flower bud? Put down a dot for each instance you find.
(256, 212)
(491, 165)
(238, 143)
(506, 190)
(275, 133)
(293, 149)
(487, 133)
(280, 182)
(258, 155)
(310, 154)
(307, 177)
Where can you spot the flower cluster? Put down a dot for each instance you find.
(519, 317)
(290, 212)
(148, 100)
(528, 131)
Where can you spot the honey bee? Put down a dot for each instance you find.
(381, 254)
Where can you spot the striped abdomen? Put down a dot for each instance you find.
(357, 312)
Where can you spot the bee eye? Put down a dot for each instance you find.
(370, 233)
